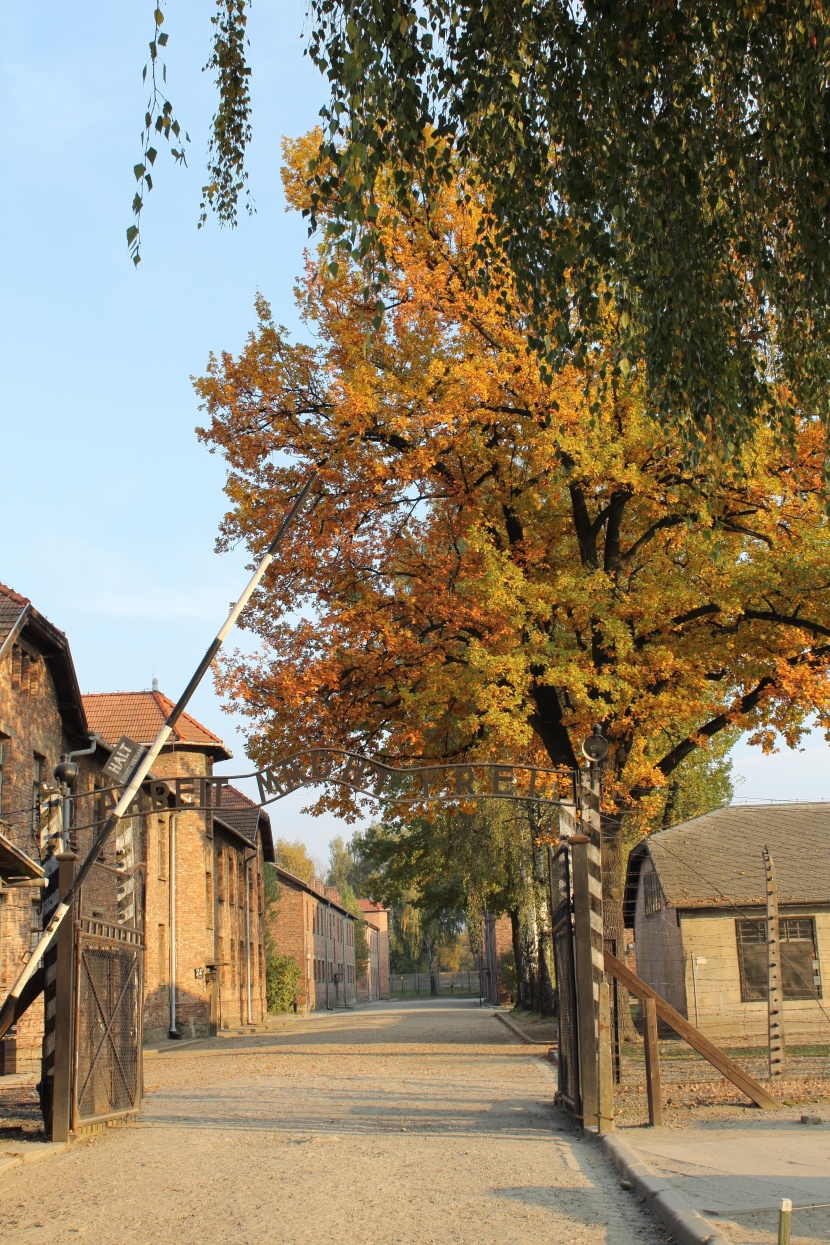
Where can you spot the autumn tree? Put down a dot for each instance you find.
(293, 855)
(672, 154)
(495, 561)
(346, 868)
(485, 858)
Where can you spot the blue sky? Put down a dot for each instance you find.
(110, 505)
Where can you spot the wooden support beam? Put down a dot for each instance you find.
(605, 1065)
(653, 1089)
(712, 1053)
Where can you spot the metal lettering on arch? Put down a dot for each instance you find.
(472, 780)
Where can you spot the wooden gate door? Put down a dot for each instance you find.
(109, 974)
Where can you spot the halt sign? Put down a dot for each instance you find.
(125, 756)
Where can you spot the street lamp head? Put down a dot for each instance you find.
(595, 747)
(66, 772)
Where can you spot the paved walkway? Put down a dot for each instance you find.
(414, 1123)
(736, 1172)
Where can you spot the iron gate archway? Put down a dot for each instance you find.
(454, 782)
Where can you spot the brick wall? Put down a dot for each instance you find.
(320, 938)
(193, 855)
(33, 736)
(288, 919)
(238, 894)
(498, 941)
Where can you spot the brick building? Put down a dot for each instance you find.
(309, 923)
(374, 984)
(242, 843)
(190, 880)
(498, 945)
(41, 719)
(204, 893)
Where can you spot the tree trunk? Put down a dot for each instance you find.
(516, 937)
(544, 1002)
(612, 911)
(431, 952)
(545, 985)
(530, 974)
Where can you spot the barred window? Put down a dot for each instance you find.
(38, 779)
(800, 974)
(209, 899)
(35, 924)
(652, 894)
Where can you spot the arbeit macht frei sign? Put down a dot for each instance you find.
(375, 779)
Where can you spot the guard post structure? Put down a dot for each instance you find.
(595, 1064)
(605, 1067)
(586, 1011)
(61, 1097)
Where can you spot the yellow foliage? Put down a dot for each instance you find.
(497, 560)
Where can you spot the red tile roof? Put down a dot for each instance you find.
(140, 716)
(242, 815)
(12, 605)
(314, 887)
(369, 905)
(18, 614)
(15, 596)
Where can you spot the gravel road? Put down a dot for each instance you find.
(417, 1122)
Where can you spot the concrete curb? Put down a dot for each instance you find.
(520, 1033)
(671, 1208)
(45, 1151)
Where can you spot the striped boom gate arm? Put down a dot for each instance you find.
(698, 1041)
(11, 1005)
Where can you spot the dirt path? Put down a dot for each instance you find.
(421, 1122)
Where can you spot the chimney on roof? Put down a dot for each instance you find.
(155, 684)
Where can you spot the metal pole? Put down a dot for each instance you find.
(174, 967)
(248, 860)
(146, 763)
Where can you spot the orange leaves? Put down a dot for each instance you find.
(493, 565)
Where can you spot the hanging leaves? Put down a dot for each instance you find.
(158, 120)
(231, 127)
(674, 155)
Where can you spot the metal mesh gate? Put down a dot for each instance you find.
(109, 978)
(563, 958)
